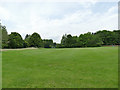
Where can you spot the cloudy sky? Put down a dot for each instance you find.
(52, 19)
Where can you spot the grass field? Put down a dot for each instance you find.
(61, 68)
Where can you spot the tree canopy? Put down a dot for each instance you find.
(47, 43)
(35, 40)
(4, 36)
(15, 40)
(97, 39)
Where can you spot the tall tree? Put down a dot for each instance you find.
(4, 37)
(116, 36)
(15, 40)
(0, 36)
(27, 36)
(67, 41)
(35, 40)
(105, 36)
(26, 40)
(89, 40)
(63, 40)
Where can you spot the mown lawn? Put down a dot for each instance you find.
(61, 68)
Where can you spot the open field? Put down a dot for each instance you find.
(61, 68)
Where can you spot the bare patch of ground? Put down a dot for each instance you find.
(17, 49)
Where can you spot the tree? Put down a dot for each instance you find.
(4, 37)
(94, 41)
(63, 40)
(67, 41)
(15, 40)
(35, 40)
(105, 36)
(89, 40)
(0, 36)
(54, 45)
(27, 37)
(26, 41)
(116, 37)
(109, 37)
(25, 44)
(84, 39)
(75, 41)
(48, 43)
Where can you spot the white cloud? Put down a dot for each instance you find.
(74, 24)
(34, 19)
(113, 9)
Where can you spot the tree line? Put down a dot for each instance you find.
(97, 39)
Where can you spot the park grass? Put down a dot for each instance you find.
(61, 68)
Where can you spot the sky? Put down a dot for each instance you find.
(51, 19)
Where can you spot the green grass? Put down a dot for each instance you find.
(61, 68)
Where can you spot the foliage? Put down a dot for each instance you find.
(35, 40)
(109, 37)
(15, 40)
(26, 40)
(25, 44)
(4, 37)
(89, 40)
(47, 43)
(0, 36)
(97, 39)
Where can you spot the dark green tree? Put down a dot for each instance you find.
(35, 40)
(54, 45)
(116, 36)
(26, 40)
(0, 36)
(4, 37)
(89, 40)
(25, 44)
(15, 40)
(109, 37)
(67, 41)
(48, 43)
